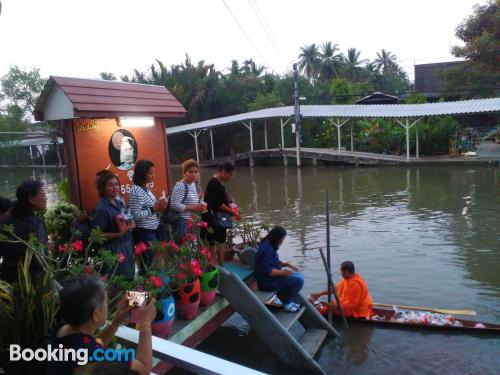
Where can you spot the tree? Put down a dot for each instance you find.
(385, 61)
(22, 88)
(309, 61)
(342, 91)
(480, 33)
(352, 63)
(107, 76)
(329, 61)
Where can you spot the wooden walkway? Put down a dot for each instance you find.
(344, 157)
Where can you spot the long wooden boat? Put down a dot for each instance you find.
(388, 319)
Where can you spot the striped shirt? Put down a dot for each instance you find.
(140, 202)
(177, 202)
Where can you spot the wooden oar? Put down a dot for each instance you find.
(439, 311)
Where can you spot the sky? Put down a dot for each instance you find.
(81, 38)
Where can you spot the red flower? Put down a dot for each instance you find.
(204, 251)
(51, 247)
(63, 248)
(163, 244)
(202, 224)
(195, 268)
(140, 248)
(156, 281)
(184, 240)
(88, 270)
(173, 246)
(77, 246)
(121, 257)
(189, 224)
(181, 276)
(86, 340)
(192, 237)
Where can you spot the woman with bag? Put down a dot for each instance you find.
(219, 215)
(184, 200)
(144, 208)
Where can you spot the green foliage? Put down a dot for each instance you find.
(480, 33)
(27, 315)
(63, 190)
(342, 91)
(22, 88)
(416, 98)
(261, 101)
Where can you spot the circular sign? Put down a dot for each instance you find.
(122, 149)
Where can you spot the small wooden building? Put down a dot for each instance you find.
(109, 125)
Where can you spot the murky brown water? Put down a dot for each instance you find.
(425, 236)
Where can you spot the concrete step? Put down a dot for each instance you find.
(312, 339)
(286, 319)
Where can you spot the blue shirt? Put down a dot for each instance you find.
(266, 260)
(105, 218)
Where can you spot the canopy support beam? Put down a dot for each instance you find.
(265, 134)
(195, 135)
(212, 144)
(338, 123)
(407, 127)
(249, 127)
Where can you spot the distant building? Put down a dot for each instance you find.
(378, 98)
(428, 80)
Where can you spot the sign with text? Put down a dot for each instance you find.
(103, 144)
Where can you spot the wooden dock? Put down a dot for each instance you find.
(343, 157)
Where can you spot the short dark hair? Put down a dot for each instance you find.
(347, 266)
(227, 166)
(5, 205)
(275, 235)
(79, 298)
(102, 180)
(141, 169)
(24, 191)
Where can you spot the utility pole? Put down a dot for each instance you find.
(296, 99)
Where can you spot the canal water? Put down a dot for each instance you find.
(421, 236)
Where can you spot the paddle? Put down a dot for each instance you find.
(439, 311)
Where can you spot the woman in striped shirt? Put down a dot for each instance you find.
(144, 206)
(185, 199)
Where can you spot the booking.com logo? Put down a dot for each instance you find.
(62, 354)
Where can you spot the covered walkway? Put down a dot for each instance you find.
(406, 115)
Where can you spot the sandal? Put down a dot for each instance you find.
(291, 308)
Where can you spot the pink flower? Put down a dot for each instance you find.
(189, 224)
(63, 248)
(77, 246)
(140, 248)
(196, 268)
(163, 244)
(156, 281)
(184, 240)
(88, 270)
(173, 246)
(121, 257)
(181, 276)
(191, 237)
(204, 251)
(51, 247)
(202, 224)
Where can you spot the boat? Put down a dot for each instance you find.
(386, 317)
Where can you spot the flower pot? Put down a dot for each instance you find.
(187, 299)
(209, 283)
(162, 325)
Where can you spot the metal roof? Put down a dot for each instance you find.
(100, 98)
(353, 111)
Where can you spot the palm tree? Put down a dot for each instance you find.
(330, 61)
(107, 76)
(250, 68)
(385, 60)
(309, 61)
(352, 62)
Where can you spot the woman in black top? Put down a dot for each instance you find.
(31, 199)
(218, 201)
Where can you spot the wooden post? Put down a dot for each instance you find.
(417, 153)
(251, 136)
(407, 127)
(352, 141)
(338, 134)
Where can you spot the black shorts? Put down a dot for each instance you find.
(216, 235)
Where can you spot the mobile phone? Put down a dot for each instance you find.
(138, 299)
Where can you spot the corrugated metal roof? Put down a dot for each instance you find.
(353, 111)
(95, 98)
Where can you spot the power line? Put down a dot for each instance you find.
(246, 35)
(267, 29)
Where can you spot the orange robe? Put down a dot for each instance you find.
(354, 297)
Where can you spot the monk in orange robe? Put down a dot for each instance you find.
(352, 292)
